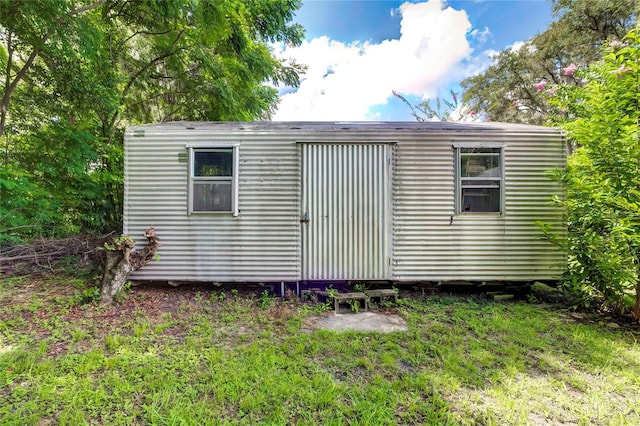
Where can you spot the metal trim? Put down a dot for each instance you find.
(211, 145)
(478, 145)
(354, 140)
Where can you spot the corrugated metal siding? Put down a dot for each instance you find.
(431, 243)
(260, 244)
(264, 242)
(345, 193)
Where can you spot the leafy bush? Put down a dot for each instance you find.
(602, 119)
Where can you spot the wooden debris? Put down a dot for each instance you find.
(47, 254)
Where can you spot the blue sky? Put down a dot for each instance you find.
(357, 52)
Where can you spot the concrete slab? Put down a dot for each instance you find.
(363, 321)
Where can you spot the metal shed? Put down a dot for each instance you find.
(305, 201)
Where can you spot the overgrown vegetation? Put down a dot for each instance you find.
(602, 180)
(74, 73)
(583, 74)
(190, 355)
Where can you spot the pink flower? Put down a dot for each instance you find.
(570, 69)
(616, 44)
(540, 86)
(473, 113)
(620, 71)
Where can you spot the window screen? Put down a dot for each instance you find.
(479, 180)
(212, 180)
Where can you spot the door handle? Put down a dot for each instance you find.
(304, 218)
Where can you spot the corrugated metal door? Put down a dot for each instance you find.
(345, 211)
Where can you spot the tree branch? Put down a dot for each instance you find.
(168, 115)
(138, 73)
(3, 107)
(87, 7)
(9, 88)
(143, 32)
(157, 95)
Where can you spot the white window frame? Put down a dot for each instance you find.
(458, 178)
(192, 148)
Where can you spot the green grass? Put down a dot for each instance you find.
(199, 356)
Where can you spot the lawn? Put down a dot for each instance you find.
(197, 355)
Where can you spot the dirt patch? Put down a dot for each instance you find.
(363, 321)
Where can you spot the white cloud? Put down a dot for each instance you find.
(475, 64)
(343, 81)
(481, 36)
(516, 46)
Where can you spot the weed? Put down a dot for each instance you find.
(361, 287)
(120, 296)
(113, 341)
(218, 296)
(386, 304)
(462, 361)
(79, 334)
(13, 282)
(91, 294)
(265, 300)
(140, 329)
(35, 305)
(354, 305)
(332, 292)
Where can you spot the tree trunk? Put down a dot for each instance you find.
(636, 306)
(122, 259)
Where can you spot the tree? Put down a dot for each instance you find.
(44, 133)
(603, 176)
(122, 259)
(442, 110)
(513, 88)
(75, 72)
(28, 31)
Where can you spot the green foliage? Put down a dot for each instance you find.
(75, 73)
(53, 185)
(119, 242)
(354, 305)
(265, 299)
(361, 287)
(602, 179)
(87, 296)
(188, 361)
(331, 292)
(506, 91)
